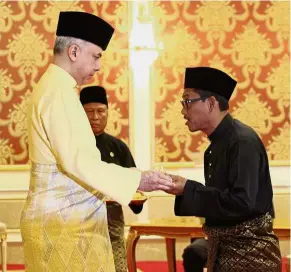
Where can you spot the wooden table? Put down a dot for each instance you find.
(281, 229)
(169, 228)
(173, 228)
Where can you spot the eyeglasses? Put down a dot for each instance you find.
(185, 103)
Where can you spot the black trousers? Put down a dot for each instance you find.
(195, 256)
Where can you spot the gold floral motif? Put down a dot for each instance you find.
(278, 84)
(28, 50)
(7, 18)
(50, 13)
(172, 124)
(187, 44)
(279, 147)
(6, 82)
(161, 150)
(110, 59)
(118, 17)
(162, 85)
(18, 116)
(277, 18)
(251, 50)
(254, 112)
(161, 16)
(120, 86)
(17, 125)
(215, 18)
(6, 152)
(115, 120)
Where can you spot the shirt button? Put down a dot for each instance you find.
(209, 176)
(210, 164)
(210, 152)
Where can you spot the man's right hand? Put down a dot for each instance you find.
(152, 181)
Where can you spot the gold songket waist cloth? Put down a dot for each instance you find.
(64, 224)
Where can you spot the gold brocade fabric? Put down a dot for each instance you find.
(250, 247)
(116, 232)
(63, 225)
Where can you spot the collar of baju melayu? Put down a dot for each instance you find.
(222, 129)
(63, 77)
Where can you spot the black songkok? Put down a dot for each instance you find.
(93, 94)
(85, 26)
(210, 79)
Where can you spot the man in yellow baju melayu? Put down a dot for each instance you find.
(64, 221)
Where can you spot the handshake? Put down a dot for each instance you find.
(153, 180)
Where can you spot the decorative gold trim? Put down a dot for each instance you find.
(279, 163)
(175, 165)
(16, 167)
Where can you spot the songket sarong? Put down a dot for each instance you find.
(250, 246)
(116, 232)
(64, 225)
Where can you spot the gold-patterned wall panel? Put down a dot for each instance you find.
(26, 41)
(247, 39)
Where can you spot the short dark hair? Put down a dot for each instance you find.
(223, 103)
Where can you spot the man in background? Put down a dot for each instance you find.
(113, 150)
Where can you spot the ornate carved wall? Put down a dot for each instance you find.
(26, 42)
(250, 41)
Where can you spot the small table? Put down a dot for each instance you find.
(176, 227)
(169, 228)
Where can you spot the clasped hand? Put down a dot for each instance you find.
(152, 181)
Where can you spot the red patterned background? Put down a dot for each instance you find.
(250, 41)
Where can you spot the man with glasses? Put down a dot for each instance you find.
(236, 200)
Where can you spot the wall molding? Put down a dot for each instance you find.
(13, 194)
(16, 167)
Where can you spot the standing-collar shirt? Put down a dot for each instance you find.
(59, 133)
(237, 178)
